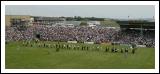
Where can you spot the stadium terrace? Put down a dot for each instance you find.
(29, 28)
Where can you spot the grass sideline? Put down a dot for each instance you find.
(21, 57)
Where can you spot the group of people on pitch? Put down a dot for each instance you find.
(122, 50)
(59, 46)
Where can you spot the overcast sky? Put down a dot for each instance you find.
(106, 11)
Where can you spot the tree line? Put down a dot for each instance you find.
(79, 18)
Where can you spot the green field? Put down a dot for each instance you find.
(22, 57)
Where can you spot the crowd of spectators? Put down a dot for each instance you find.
(80, 34)
(137, 37)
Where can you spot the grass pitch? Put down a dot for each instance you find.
(22, 57)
